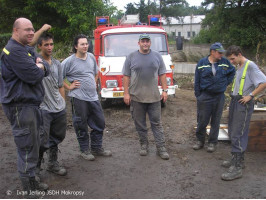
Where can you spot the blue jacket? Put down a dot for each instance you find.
(206, 81)
(21, 78)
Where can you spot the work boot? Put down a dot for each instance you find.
(228, 163)
(87, 155)
(101, 152)
(53, 164)
(26, 187)
(143, 150)
(38, 186)
(235, 170)
(199, 145)
(211, 147)
(162, 152)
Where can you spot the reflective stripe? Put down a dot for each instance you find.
(29, 54)
(204, 66)
(242, 82)
(6, 51)
(223, 65)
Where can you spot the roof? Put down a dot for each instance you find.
(194, 19)
(134, 30)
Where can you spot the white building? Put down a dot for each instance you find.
(186, 26)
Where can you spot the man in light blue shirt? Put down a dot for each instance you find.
(81, 71)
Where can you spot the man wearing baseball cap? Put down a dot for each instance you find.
(212, 76)
(141, 70)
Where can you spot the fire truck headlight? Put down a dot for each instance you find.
(111, 83)
(168, 81)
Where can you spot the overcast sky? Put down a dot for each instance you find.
(120, 4)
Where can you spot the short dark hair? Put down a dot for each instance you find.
(44, 37)
(236, 50)
(76, 39)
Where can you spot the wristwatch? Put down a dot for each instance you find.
(252, 96)
(165, 90)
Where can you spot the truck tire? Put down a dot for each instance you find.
(163, 104)
(105, 103)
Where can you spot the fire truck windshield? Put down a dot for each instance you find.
(118, 45)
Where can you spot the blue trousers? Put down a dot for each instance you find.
(25, 122)
(54, 129)
(86, 113)
(139, 112)
(238, 125)
(210, 108)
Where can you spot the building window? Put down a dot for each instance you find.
(193, 34)
(188, 34)
(179, 34)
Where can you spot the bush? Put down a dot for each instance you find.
(4, 39)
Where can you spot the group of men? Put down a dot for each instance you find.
(212, 76)
(33, 98)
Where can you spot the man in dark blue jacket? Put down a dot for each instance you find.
(213, 74)
(21, 93)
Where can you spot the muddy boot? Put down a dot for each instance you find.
(53, 164)
(199, 145)
(143, 150)
(228, 163)
(87, 155)
(162, 152)
(235, 170)
(101, 152)
(27, 189)
(211, 147)
(37, 186)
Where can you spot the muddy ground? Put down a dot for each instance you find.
(188, 173)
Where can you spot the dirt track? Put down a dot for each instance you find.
(188, 174)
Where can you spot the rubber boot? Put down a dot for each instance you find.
(235, 170)
(27, 189)
(162, 152)
(228, 163)
(53, 164)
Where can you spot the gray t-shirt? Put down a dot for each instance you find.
(254, 77)
(143, 70)
(53, 101)
(83, 71)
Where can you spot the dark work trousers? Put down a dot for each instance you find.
(138, 112)
(209, 107)
(25, 123)
(86, 113)
(238, 125)
(54, 129)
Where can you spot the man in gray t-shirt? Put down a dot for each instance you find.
(81, 71)
(141, 70)
(52, 107)
(249, 81)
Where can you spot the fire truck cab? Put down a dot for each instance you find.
(114, 43)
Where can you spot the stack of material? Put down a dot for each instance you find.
(257, 131)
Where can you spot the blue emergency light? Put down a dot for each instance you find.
(102, 21)
(154, 19)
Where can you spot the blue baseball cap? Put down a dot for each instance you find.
(144, 36)
(217, 46)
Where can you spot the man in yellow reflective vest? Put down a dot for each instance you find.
(249, 81)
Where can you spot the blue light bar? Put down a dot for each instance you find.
(154, 19)
(102, 21)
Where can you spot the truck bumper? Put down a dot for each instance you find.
(118, 92)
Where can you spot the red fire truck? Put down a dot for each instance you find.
(114, 43)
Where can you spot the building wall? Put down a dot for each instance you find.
(183, 29)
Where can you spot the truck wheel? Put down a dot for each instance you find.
(104, 102)
(163, 104)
